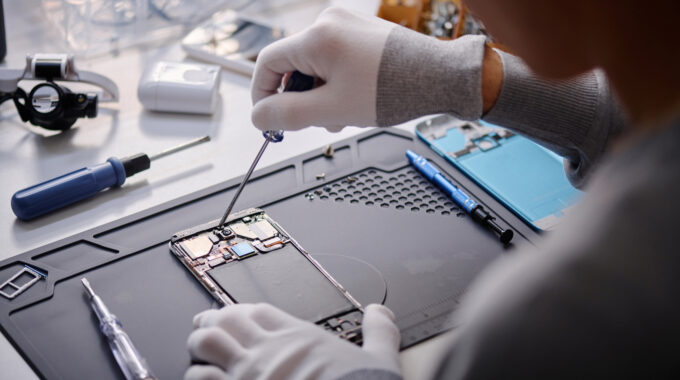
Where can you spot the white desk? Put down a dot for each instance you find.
(28, 156)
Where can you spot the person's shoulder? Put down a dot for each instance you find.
(641, 184)
(626, 224)
(603, 285)
(649, 157)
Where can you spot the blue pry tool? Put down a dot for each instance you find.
(83, 183)
(478, 213)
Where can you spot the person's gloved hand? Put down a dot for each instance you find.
(372, 72)
(259, 341)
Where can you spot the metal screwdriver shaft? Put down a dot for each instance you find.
(245, 180)
(297, 82)
(179, 148)
(88, 287)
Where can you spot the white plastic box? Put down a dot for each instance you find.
(180, 87)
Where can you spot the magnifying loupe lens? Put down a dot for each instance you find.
(45, 99)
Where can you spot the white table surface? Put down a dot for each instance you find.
(28, 155)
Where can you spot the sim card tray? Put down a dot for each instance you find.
(18, 289)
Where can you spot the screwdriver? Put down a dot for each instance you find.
(83, 183)
(478, 213)
(129, 360)
(298, 82)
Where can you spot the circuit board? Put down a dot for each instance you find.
(251, 258)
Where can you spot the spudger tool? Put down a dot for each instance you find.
(298, 82)
(478, 213)
(129, 360)
(86, 182)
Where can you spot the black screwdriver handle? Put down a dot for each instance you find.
(298, 82)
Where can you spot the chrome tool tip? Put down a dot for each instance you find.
(179, 147)
(87, 286)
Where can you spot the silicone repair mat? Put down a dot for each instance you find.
(379, 227)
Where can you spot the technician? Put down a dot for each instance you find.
(600, 297)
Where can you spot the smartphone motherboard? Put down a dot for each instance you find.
(251, 258)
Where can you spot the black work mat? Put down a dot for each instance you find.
(388, 236)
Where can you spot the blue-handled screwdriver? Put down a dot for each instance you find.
(83, 183)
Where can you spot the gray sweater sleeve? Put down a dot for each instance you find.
(575, 118)
(420, 75)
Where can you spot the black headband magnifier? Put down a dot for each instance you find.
(48, 104)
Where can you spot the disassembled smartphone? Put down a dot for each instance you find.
(230, 40)
(526, 177)
(251, 258)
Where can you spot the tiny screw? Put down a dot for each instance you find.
(328, 151)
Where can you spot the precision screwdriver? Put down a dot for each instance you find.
(83, 183)
(129, 360)
(478, 213)
(298, 82)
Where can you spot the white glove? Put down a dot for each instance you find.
(372, 72)
(343, 49)
(259, 341)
